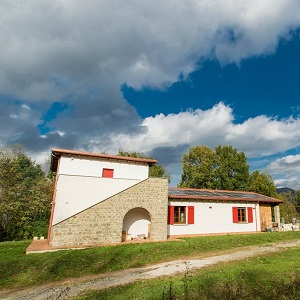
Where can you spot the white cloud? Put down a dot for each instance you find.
(286, 171)
(165, 136)
(289, 180)
(258, 136)
(290, 163)
(51, 49)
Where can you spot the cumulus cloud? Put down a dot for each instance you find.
(258, 136)
(286, 170)
(289, 163)
(82, 52)
(168, 137)
(52, 49)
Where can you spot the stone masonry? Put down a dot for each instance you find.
(103, 222)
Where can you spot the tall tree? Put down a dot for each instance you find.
(232, 169)
(156, 170)
(225, 168)
(262, 183)
(199, 168)
(25, 196)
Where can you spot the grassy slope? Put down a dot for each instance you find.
(19, 270)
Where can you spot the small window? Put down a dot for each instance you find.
(242, 214)
(179, 214)
(109, 173)
(242, 217)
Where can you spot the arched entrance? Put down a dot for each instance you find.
(136, 224)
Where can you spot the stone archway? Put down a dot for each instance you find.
(136, 224)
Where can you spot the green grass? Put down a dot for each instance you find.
(20, 270)
(274, 276)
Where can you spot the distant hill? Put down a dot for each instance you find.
(284, 190)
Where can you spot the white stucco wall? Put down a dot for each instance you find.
(80, 184)
(93, 167)
(214, 217)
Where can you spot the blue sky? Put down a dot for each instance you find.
(154, 77)
(258, 85)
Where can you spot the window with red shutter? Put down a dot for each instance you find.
(190, 214)
(180, 214)
(109, 173)
(242, 215)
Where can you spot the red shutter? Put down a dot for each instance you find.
(235, 215)
(171, 214)
(190, 214)
(108, 173)
(250, 215)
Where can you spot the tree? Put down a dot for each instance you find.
(225, 168)
(262, 183)
(232, 169)
(154, 171)
(199, 168)
(25, 196)
(287, 208)
(297, 201)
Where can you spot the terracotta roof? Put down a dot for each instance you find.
(57, 153)
(219, 195)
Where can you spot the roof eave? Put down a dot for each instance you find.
(227, 199)
(57, 153)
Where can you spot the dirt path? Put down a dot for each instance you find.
(72, 288)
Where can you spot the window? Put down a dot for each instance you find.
(109, 173)
(180, 214)
(242, 214)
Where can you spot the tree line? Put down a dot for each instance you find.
(26, 190)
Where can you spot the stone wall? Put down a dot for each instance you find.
(103, 222)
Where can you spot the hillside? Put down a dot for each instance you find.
(284, 190)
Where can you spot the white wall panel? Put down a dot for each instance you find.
(93, 167)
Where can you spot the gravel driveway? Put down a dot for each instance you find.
(74, 287)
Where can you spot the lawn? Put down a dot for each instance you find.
(275, 276)
(20, 270)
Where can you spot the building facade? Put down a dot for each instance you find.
(101, 199)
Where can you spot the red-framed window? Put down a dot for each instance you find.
(109, 173)
(242, 214)
(180, 214)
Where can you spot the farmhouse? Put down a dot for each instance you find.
(102, 198)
